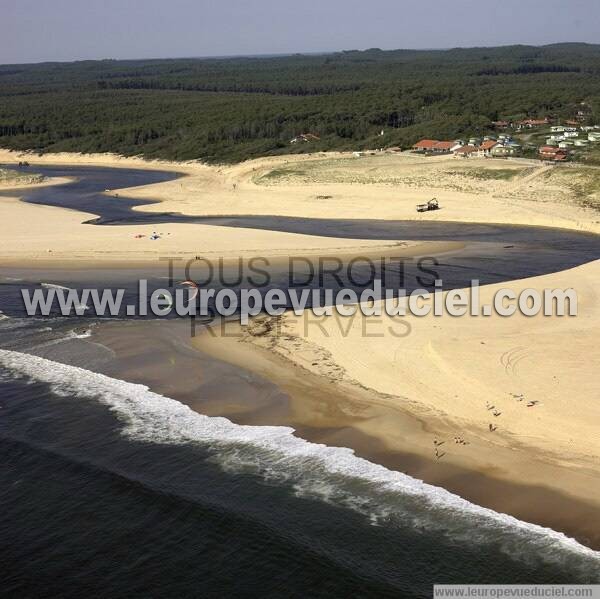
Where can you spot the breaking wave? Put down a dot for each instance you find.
(331, 474)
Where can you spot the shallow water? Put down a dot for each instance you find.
(137, 491)
(494, 252)
(104, 484)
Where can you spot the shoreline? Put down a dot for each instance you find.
(232, 190)
(360, 248)
(448, 372)
(516, 480)
(432, 367)
(267, 390)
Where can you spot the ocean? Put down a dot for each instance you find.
(110, 489)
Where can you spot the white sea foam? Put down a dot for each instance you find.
(331, 474)
(80, 334)
(77, 306)
(53, 286)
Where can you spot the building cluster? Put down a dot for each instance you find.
(562, 140)
(501, 146)
(566, 137)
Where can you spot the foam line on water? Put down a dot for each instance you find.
(275, 452)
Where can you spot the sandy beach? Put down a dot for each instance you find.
(251, 385)
(332, 185)
(388, 186)
(382, 186)
(60, 237)
(446, 373)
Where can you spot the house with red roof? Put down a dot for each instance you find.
(444, 146)
(434, 146)
(553, 153)
(304, 138)
(466, 151)
(485, 149)
(425, 145)
(530, 123)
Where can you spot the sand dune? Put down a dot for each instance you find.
(55, 235)
(448, 370)
(454, 374)
(384, 186)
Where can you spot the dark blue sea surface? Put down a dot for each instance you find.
(108, 489)
(103, 495)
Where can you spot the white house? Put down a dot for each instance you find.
(500, 151)
(485, 149)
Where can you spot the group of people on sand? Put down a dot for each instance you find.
(459, 440)
(495, 412)
(153, 237)
(436, 445)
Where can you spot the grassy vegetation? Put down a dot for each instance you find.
(590, 156)
(278, 174)
(484, 174)
(226, 110)
(390, 169)
(582, 183)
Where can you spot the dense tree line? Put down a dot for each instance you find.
(232, 109)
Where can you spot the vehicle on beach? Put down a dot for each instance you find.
(256, 374)
(433, 204)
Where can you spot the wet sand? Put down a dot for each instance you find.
(163, 356)
(335, 411)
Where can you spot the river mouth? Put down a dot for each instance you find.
(141, 352)
(492, 252)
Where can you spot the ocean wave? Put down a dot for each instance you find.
(78, 334)
(56, 287)
(66, 337)
(331, 474)
(9, 323)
